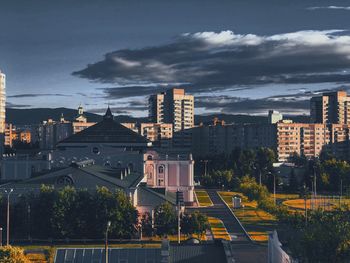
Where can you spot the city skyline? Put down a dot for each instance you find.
(242, 59)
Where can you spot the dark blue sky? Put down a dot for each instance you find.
(245, 62)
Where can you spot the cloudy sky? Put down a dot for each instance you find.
(235, 56)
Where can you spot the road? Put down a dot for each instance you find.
(243, 249)
(220, 210)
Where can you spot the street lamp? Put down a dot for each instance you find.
(256, 169)
(8, 192)
(106, 240)
(0, 236)
(274, 187)
(205, 166)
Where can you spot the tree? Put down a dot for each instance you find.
(146, 224)
(324, 239)
(165, 219)
(252, 189)
(9, 254)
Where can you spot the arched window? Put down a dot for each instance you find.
(161, 169)
(65, 180)
(149, 158)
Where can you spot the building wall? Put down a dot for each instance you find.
(217, 139)
(172, 106)
(173, 174)
(331, 108)
(21, 167)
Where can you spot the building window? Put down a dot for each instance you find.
(161, 169)
(149, 157)
(65, 180)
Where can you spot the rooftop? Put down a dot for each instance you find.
(107, 131)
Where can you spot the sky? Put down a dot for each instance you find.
(236, 57)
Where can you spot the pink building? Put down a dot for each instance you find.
(173, 173)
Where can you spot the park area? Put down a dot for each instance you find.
(327, 203)
(257, 222)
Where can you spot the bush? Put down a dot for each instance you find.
(252, 190)
(9, 254)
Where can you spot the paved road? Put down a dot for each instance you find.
(243, 249)
(219, 210)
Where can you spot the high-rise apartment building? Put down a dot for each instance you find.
(331, 107)
(2, 101)
(172, 106)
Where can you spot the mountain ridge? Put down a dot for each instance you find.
(37, 115)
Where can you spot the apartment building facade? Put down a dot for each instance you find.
(160, 134)
(285, 137)
(331, 108)
(173, 106)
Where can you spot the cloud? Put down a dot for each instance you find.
(213, 62)
(347, 8)
(295, 103)
(13, 105)
(33, 95)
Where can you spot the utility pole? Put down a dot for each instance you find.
(179, 202)
(8, 192)
(106, 240)
(274, 188)
(205, 166)
(0, 236)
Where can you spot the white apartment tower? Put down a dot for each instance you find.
(172, 106)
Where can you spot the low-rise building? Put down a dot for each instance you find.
(51, 132)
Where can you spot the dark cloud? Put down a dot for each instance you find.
(14, 105)
(253, 106)
(33, 95)
(211, 61)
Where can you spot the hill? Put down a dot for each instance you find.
(37, 115)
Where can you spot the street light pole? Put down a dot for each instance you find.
(8, 216)
(106, 241)
(274, 188)
(205, 166)
(0, 236)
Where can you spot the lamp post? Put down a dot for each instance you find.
(0, 236)
(256, 169)
(205, 166)
(274, 186)
(106, 240)
(8, 192)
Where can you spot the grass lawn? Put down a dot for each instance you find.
(257, 222)
(327, 204)
(284, 197)
(218, 229)
(203, 198)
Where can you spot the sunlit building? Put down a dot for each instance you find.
(172, 106)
